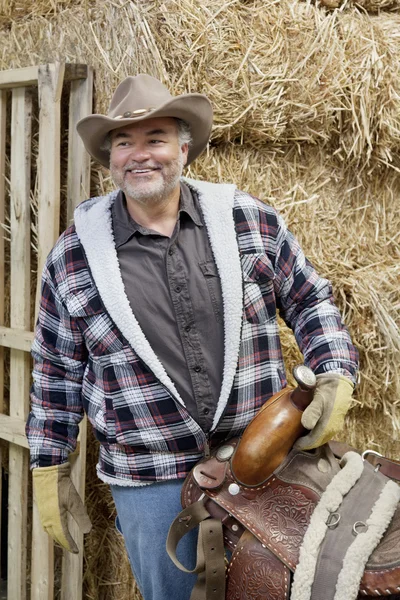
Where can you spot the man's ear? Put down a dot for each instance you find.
(185, 151)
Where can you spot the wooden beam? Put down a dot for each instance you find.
(78, 188)
(27, 76)
(50, 82)
(20, 299)
(18, 339)
(80, 106)
(12, 429)
(42, 565)
(3, 116)
(72, 565)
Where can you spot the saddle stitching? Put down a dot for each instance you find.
(257, 535)
(234, 558)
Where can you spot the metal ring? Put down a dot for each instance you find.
(357, 525)
(333, 520)
(373, 452)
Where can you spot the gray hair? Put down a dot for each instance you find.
(184, 136)
(184, 133)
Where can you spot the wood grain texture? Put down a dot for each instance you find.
(80, 106)
(3, 116)
(19, 319)
(26, 76)
(12, 429)
(18, 339)
(50, 82)
(81, 98)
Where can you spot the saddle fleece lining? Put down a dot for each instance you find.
(358, 553)
(330, 501)
(356, 506)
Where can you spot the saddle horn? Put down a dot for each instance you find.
(270, 436)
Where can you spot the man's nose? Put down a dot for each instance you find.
(139, 153)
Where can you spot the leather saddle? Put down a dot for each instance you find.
(309, 525)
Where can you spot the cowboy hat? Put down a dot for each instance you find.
(143, 97)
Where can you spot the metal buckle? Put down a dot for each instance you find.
(373, 452)
(333, 520)
(359, 525)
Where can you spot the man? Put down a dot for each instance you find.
(158, 318)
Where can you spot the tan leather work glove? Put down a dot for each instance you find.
(325, 415)
(55, 497)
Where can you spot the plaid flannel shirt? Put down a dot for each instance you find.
(91, 355)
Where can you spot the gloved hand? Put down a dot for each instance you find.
(55, 497)
(325, 415)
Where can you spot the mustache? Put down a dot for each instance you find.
(142, 166)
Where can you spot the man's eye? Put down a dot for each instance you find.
(155, 141)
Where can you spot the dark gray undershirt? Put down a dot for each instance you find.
(174, 290)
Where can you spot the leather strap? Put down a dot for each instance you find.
(210, 566)
(387, 466)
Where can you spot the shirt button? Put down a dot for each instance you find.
(197, 369)
(188, 328)
(206, 411)
(178, 288)
(171, 251)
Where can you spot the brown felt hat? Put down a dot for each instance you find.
(144, 97)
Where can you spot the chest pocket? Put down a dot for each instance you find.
(258, 287)
(102, 338)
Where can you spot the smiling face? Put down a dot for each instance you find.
(147, 160)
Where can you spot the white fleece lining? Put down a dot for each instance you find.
(330, 501)
(217, 202)
(357, 554)
(94, 228)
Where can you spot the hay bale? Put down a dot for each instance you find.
(276, 73)
(16, 10)
(372, 6)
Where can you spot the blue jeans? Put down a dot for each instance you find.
(144, 517)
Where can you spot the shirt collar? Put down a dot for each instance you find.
(124, 226)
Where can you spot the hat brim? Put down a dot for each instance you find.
(194, 109)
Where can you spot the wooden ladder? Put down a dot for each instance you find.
(49, 80)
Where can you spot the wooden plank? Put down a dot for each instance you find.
(19, 319)
(72, 565)
(12, 429)
(80, 106)
(12, 78)
(27, 76)
(78, 189)
(18, 339)
(50, 82)
(42, 565)
(3, 116)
